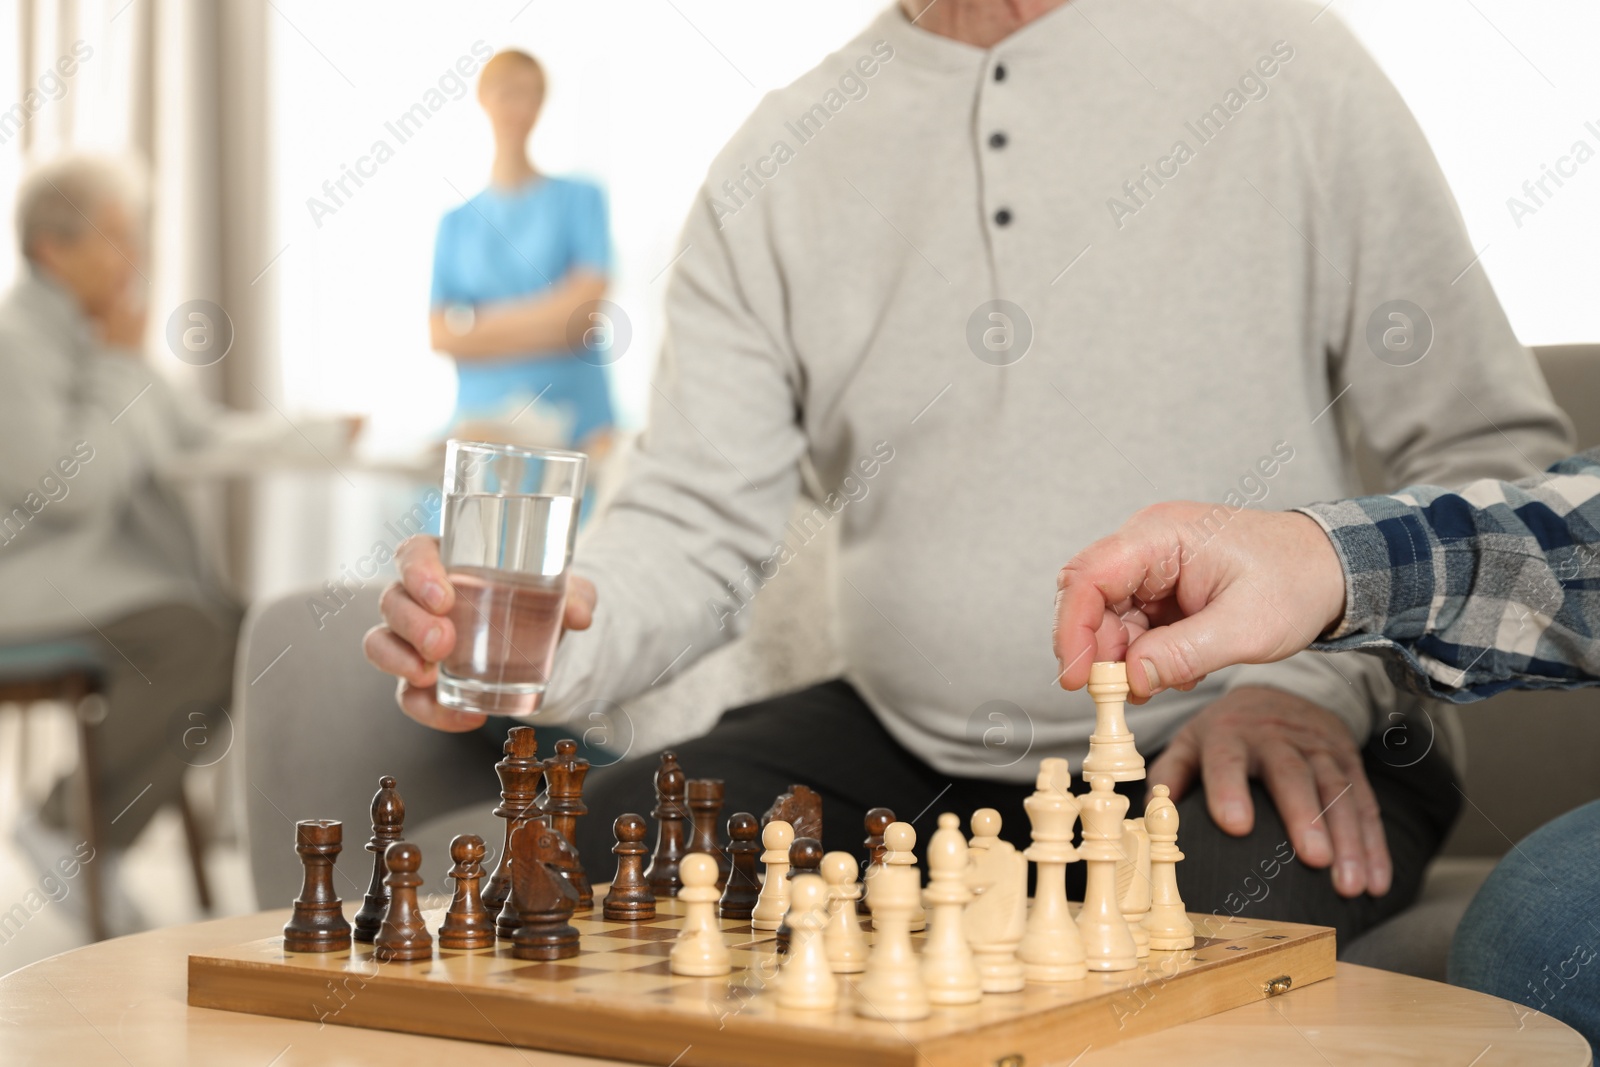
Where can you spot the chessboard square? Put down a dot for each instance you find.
(553, 971)
(634, 932)
(648, 948)
(618, 985)
(612, 962)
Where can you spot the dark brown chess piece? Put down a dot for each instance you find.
(671, 811)
(744, 857)
(805, 857)
(801, 808)
(541, 894)
(468, 924)
(318, 923)
(403, 935)
(877, 821)
(630, 898)
(388, 826)
(563, 802)
(519, 774)
(705, 805)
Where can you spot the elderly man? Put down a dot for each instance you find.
(94, 544)
(1003, 271)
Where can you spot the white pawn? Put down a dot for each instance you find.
(1167, 923)
(892, 987)
(700, 951)
(998, 913)
(899, 843)
(1051, 950)
(1107, 941)
(845, 944)
(1133, 881)
(773, 903)
(806, 981)
(947, 967)
(1111, 746)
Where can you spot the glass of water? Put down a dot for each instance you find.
(510, 519)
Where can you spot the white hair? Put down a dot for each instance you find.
(58, 198)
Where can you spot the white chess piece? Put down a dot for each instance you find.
(998, 914)
(899, 844)
(892, 987)
(1167, 923)
(806, 982)
(1133, 881)
(1107, 941)
(845, 944)
(699, 950)
(1051, 950)
(1111, 746)
(948, 971)
(773, 903)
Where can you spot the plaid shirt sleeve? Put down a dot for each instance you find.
(1493, 587)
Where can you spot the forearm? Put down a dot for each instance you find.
(539, 325)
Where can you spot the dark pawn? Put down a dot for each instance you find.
(519, 776)
(403, 935)
(877, 821)
(671, 811)
(744, 855)
(467, 925)
(705, 804)
(563, 802)
(388, 826)
(318, 924)
(630, 898)
(805, 857)
(541, 895)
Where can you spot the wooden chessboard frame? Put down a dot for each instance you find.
(617, 999)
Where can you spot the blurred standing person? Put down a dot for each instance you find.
(515, 272)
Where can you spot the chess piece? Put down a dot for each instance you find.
(1111, 746)
(843, 942)
(1051, 950)
(630, 898)
(805, 857)
(891, 988)
(318, 923)
(877, 821)
(403, 934)
(801, 808)
(468, 924)
(388, 826)
(806, 980)
(542, 896)
(563, 802)
(671, 811)
(1133, 882)
(948, 970)
(773, 903)
(705, 804)
(1167, 923)
(1107, 941)
(519, 773)
(998, 913)
(739, 896)
(899, 843)
(699, 951)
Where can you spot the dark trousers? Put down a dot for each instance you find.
(827, 738)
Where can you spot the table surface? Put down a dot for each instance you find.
(125, 1001)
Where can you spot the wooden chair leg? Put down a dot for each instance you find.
(79, 691)
(197, 850)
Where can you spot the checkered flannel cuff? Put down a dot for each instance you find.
(1388, 559)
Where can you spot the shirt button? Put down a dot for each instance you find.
(999, 72)
(997, 139)
(1002, 217)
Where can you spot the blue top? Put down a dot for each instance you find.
(502, 246)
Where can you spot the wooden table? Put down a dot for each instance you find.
(124, 1002)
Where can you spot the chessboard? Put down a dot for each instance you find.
(618, 998)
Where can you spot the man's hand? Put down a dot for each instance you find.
(1184, 589)
(1307, 760)
(416, 633)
